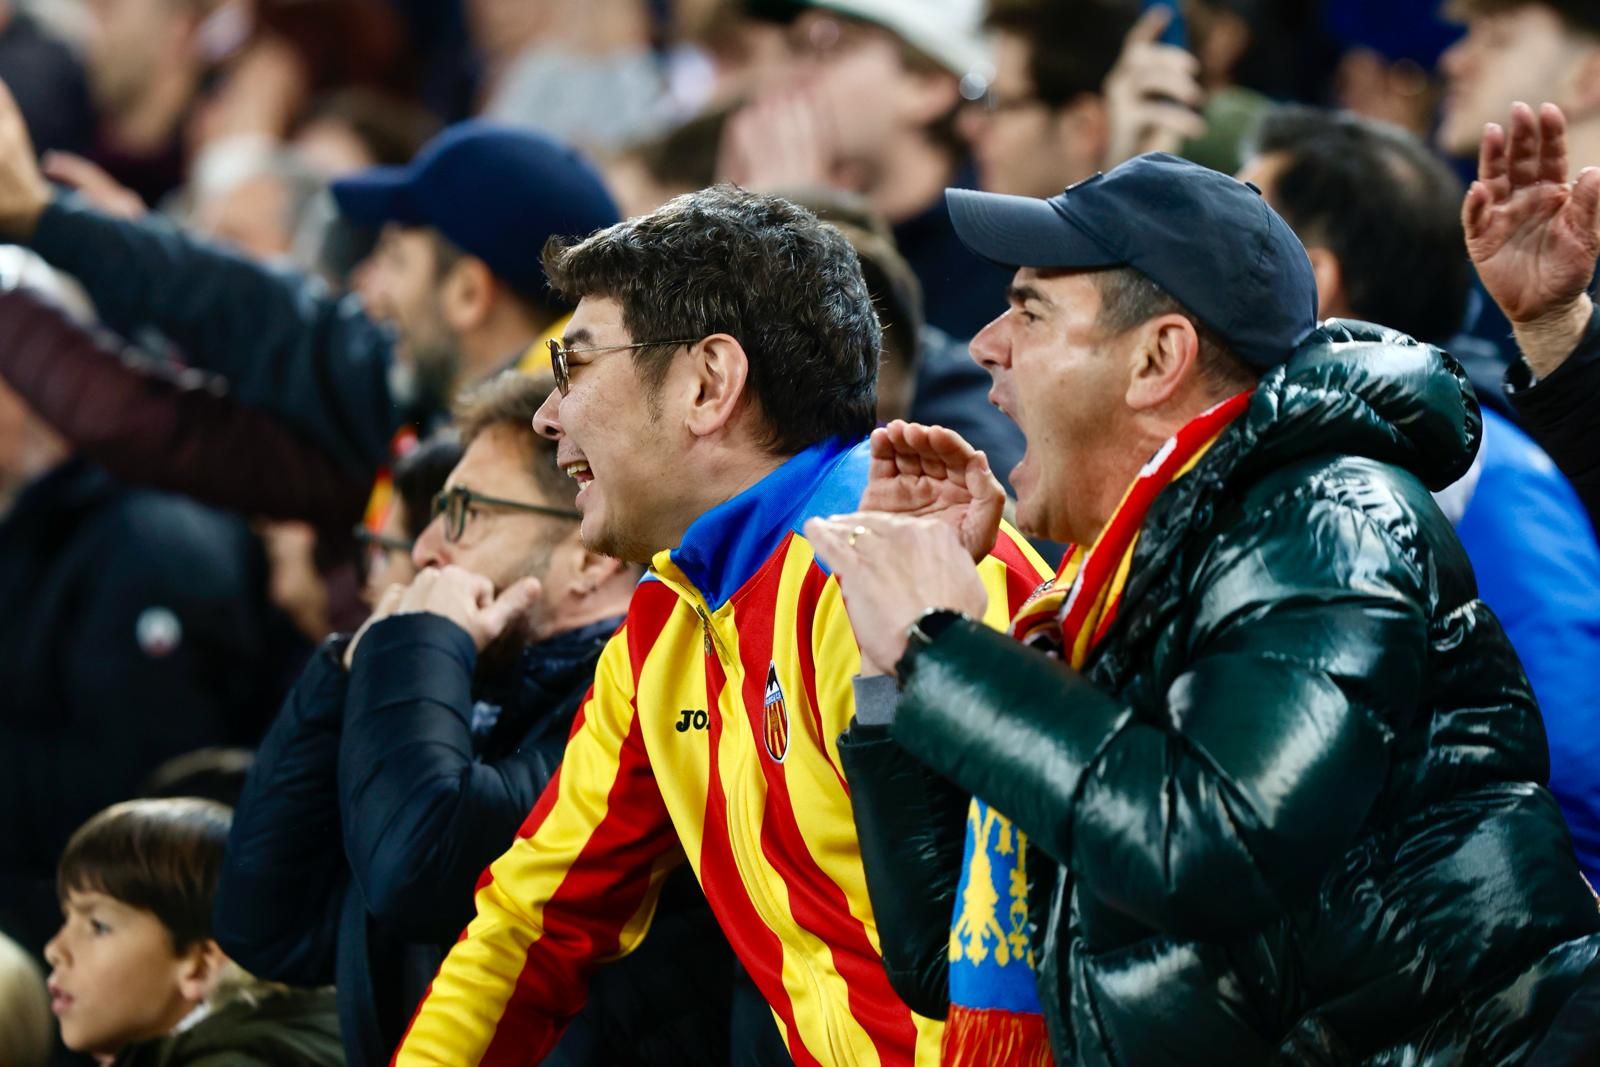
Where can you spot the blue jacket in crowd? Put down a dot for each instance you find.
(1538, 567)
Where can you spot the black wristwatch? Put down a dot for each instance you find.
(924, 632)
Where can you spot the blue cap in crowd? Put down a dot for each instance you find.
(495, 192)
(1210, 241)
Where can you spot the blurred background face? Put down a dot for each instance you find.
(388, 564)
(1021, 145)
(857, 76)
(114, 975)
(401, 285)
(128, 42)
(1523, 54)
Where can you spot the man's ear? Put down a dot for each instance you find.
(719, 373)
(591, 570)
(199, 969)
(1165, 356)
(466, 294)
(1332, 301)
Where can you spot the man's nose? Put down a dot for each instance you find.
(547, 420)
(991, 348)
(430, 549)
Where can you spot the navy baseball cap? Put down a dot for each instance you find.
(1209, 240)
(496, 192)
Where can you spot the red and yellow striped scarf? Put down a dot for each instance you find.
(1067, 618)
(1071, 616)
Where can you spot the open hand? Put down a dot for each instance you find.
(94, 184)
(932, 472)
(779, 141)
(1153, 94)
(1533, 235)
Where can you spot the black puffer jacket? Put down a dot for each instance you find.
(1293, 799)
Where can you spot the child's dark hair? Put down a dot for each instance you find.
(160, 855)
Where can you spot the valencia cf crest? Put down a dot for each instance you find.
(775, 717)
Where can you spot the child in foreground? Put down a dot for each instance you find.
(136, 979)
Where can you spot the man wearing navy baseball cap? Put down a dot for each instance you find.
(457, 269)
(1258, 777)
(454, 292)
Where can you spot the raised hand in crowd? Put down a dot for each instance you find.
(780, 141)
(892, 569)
(24, 191)
(932, 472)
(896, 558)
(457, 594)
(1153, 94)
(94, 184)
(1533, 234)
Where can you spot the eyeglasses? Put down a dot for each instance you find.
(371, 539)
(559, 353)
(991, 102)
(456, 505)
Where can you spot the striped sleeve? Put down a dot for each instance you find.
(577, 887)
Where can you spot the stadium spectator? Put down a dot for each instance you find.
(146, 61)
(713, 390)
(872, 107)
(419, 764)
(1261, 694)
(1042, 123)
(418, 477)
(1534, 237)
(136, 978)
(1528, 50)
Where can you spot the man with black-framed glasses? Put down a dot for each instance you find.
(383, 790)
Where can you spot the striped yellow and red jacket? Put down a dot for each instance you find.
(710, 734)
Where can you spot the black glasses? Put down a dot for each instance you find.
(455, 505)
(372, 539)
(558, 357)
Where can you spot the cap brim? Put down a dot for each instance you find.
(375, 197)
(1022, 231)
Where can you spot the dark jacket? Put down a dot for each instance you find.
(131, 633)
(1293, 799)
(960, 291)
(378, 798)
(281, 1028)
(152, 425)
(1562, 413)
(283, 344)
(1538, 568)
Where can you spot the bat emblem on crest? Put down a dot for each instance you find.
(775, 717)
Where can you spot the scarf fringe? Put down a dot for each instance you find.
(978, 1038)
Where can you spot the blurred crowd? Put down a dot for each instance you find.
(296, 613)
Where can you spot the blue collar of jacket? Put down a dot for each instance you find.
(725, 547)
